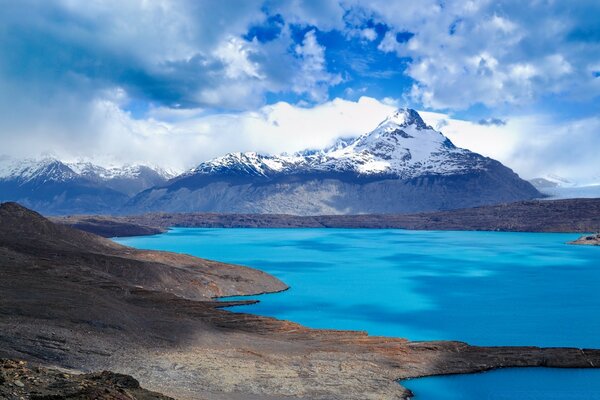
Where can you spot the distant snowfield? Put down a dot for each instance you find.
(587, 192)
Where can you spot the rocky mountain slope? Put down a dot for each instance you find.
(54, 187)
(403, 165)
(73, 300)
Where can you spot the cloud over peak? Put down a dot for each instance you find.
(108, 76)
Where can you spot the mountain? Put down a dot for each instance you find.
(54, 187)
(404, 165)
(550, 181)
(128, 179)
(556, 187)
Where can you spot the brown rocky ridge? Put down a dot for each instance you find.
(71, 299)
(571, 215)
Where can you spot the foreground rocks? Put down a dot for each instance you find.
(74, 300)
(21, 380)
(572, 215)
(591, 240)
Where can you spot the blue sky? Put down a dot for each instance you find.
(137, 81)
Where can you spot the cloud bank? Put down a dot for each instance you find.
(176, 82)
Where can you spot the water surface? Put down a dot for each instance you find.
(485, 288)
(510, 384)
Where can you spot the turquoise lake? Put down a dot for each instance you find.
(484, 288)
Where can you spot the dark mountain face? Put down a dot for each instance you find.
(73, 197)
(403, 165)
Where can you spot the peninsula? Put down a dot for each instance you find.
(71, 299)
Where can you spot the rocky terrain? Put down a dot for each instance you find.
(71, 299)
(21, 380)
(573, 215)
(591, 240)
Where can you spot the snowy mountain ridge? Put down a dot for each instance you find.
(403, 145)
(53, 170)
(86, 168)
(47, 169)
(52, 186)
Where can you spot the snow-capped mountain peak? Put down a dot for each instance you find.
(127, 171)
(402, 118)
(403, 165)
(402, 145)
(47, 169)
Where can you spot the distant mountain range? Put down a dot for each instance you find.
(404, 165)
(55, 187)
(555, 187)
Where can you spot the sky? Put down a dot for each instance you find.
(174, 83)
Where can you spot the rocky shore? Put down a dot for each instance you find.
(74, 300)
(590, 240)
(572, 215)
(21, 380)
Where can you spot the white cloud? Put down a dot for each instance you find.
(325, 14)
(182, 53)
(234, 53)
(369, 34)
(366, 34)
(494, 53)
(313, 78)
(191, 136)
(531, 145)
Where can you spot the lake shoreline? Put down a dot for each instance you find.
(74, 300)
(568, 216)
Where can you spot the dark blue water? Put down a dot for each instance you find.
(485, 288)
